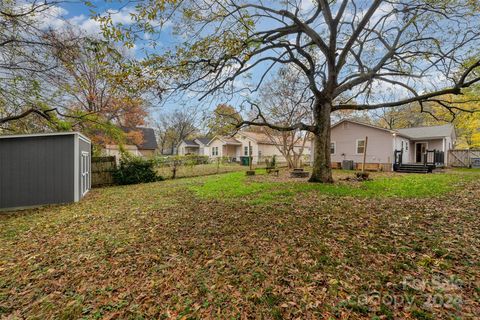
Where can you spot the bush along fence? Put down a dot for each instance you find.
(134, 170)
(102, 171)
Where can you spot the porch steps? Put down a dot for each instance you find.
(413, 168)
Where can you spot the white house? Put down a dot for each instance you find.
(197, 146)
(240, 145)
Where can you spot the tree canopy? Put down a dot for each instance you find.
(347, 52)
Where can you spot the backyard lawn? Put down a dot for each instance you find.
(233, 247)
(185, 171)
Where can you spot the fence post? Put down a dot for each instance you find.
(364, 154)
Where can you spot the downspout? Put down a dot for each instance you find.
(393, 149)
(445, 156)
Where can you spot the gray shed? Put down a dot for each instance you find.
(46, 168)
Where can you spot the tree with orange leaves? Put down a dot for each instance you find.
(102, 94)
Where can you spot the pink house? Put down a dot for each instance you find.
(409, 147)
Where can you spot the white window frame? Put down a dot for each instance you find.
(246, 151)
(334, 147)
(356, 146)
(85, 172)
(214, 151)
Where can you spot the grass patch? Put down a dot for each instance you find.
(237, 185)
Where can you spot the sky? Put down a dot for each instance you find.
(79, 16)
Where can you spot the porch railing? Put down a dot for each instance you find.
(430, 158)
(398, 156)
(434, 157)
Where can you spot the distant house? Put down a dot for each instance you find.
(348, 143)
(237, 146)
(147, 148)
(197, 146)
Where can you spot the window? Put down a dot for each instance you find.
(214, 151)
(360, 146)
(245, 151)
(402, 144)
(332, 147)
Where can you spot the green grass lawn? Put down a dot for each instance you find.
(234, 247)
(383, 185)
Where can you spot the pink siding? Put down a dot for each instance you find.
(345, 135)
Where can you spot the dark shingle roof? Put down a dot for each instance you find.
(190, 143)
(149, 140)
(204, 140)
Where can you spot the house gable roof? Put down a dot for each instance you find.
(412, 133)
(203, 141)
(363, 124)
(442, 131)
(149, 140)
(258, 137)
(190, 143)
(226, 140)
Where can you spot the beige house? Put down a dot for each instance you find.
(238, 146)
(348, 143)
(146, 149)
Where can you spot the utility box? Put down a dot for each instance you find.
(245, 161)
(475, 162)
(347, 164)
(40, 169)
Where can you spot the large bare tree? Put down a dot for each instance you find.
(175, 126)
(348, 50)
(286, 101)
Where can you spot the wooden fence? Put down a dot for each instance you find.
(102, 171)
(464, 158)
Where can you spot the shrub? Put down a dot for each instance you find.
(135, 170)
(274, 161)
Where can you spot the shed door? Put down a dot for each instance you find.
(85, 172)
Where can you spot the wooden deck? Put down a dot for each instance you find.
(432, 160)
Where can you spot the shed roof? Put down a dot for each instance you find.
(43, 134)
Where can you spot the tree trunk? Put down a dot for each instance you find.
(322, 171)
